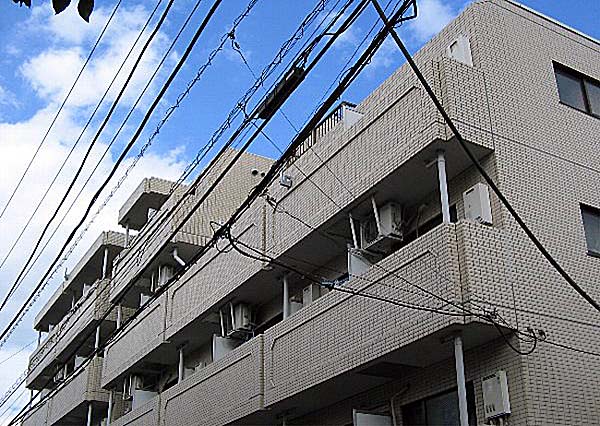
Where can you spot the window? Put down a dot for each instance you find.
(439, 410)
(577, 90)
(591, 226)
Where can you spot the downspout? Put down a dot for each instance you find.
(177, 258)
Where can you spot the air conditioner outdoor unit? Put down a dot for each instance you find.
(310, 293)
(59, 376)
(242, 320)
(390, 220)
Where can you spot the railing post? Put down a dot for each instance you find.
(286, 297)
(89, 414)
(441, 166)
(111, 395)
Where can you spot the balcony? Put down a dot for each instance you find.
(152, 250)
(69, 405)
(141, 340)
(146, 415)
(77, 326)
(151, 194)
(95, 264)
(344, 344)
(227, 390)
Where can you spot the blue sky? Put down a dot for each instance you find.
(40, 54)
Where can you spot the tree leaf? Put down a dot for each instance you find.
(60, 5)
(85, 8)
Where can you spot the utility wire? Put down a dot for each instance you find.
(553, 262)
(121, 157)
(106, 151)
(90, 147)
(66, 159)
(114, 11)
(284, 50)
(16, 353)
(234, 218)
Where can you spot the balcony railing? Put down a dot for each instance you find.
(92, 306)
(338, 115)
(81, 388)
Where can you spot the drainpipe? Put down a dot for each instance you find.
(39, 337)
(286, 297)
(460, 380)
(221, 317)
(89, 414)
(111, 395)
(180, 370)
(105, 264)
(177, 258)
(441, 166)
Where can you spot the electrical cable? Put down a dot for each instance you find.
(250, 198)
(16, 353)
(123, 154)
(90, 147)
(540, 247)
(107, 150)
(114, 11)
(139, 310)
(72, 150)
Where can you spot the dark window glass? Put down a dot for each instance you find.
(570, 89)
(593, 93)
(591, 225)
(439, 410)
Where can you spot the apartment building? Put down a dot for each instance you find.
(387, 284)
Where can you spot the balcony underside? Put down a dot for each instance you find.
(394, 366)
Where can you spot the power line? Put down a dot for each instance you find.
(282, 53)
(83, 130)
(107, 150)
(121, 157)
(91, 145)
(16, 353)
(114, 11)
(553, 262)
(235, 217)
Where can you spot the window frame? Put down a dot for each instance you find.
(583, 79)
(595, 211)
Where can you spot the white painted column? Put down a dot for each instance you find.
(105, 264)
(119, 316)
(443, 181)
(180, 370)
(89, 414)
(111, 395)
(460, 380)
(97, 341)
(286, 297)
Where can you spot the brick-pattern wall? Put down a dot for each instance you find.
(209, 397)
(144, 334)
(146, 415)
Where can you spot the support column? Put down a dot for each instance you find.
(97, 341)
(89, 414)
(460, 380)
(286, 297)
(111, 395)
(119, 316)
(105, 264)
(180, 370)
(441, 166)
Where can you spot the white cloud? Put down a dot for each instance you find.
(50, 72)
(433, 15)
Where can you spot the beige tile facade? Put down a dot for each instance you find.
(345, 352)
